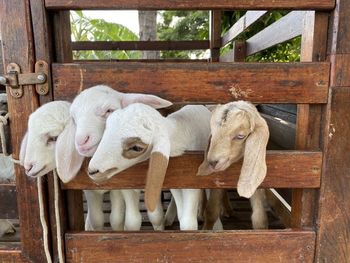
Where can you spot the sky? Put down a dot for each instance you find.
(126, 18)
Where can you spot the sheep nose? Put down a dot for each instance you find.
(92, 172)
(82, 141)
(213, 163)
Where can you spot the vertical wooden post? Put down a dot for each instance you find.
(63, 48)
(215, 35)
(313, 48)
(17, 46)
(333, 239)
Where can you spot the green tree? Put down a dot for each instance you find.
(86, 29)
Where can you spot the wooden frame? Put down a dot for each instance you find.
(319, 85)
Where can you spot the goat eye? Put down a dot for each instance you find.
(136, 148)
(107, 113)
(52, 139)
(239, 137)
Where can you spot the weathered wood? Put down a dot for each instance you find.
(141, 45)
(288, 27)
(8, 203)
(334, 210)
(242, 25)
(12, 256)
(217, 82)
(247, 246)
(75, 208)
(285, 169)
(18, 47)
(215, 35)
(313, 48)
(190, 4)
(62, 38)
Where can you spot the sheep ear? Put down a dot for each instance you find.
(22, 153)
(253, 170)
(158, 165)
(68, 160)
(151, 100)
(205, 168)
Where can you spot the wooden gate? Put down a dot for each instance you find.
(317, 170)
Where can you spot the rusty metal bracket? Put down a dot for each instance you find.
(15, 79)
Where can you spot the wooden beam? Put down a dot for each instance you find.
(288, 27)
(140, 45)
(190, 4)
(215, 35)
(12, 256)
(242, 246)
(242, 25)
(237, 54)
(200, 82)
(286, 169)
(17, 46)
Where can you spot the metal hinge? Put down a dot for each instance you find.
(14, 79)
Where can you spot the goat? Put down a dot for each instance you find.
(137, 133)
(89, 112)
(238, 130)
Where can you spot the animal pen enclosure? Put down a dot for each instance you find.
(317, 226)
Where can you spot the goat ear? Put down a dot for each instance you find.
(68, 160)
(253, 170)
(158, 165)
(205, 168)
(151, 100)
(22, 153)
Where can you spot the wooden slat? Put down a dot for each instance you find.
(286, 169)
(8, 203)
(237, 54)
(242, 25)
(288, 27)
(215, 35)
(12, 256)
(17, 46)
(190, 4)
(228, 246)
(140, 45)
(200, 82)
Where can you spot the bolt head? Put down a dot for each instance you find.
(41, 77)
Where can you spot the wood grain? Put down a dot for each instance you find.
(285, 169)
(288, 27)
(140, 45)
(242, 246)
(190, 4)
(12, 256)
(200, 82)
(17, 46)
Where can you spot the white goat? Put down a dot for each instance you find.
(139, 132)
(238, 130)
(89, 111)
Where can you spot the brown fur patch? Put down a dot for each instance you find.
(128, 153)
(158, 165)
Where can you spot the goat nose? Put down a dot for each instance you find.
(213, 163)
(84, 140)
(28, 167)
(92, 172)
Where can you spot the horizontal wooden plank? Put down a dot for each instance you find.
(200, 82)
(288, 27)
(140, 45)
(285, 169)
(227, 246)
(242, 25)
(8, 203)
(12, 255)
(190, 4)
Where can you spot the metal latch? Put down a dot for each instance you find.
(14, 79)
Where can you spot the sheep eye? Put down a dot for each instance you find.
(136, 148)
(239, 137)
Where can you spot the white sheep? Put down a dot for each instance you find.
(139, 132)
(238, 130)
(89, 111)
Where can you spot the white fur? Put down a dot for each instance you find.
(185, 130)
(89, 111)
